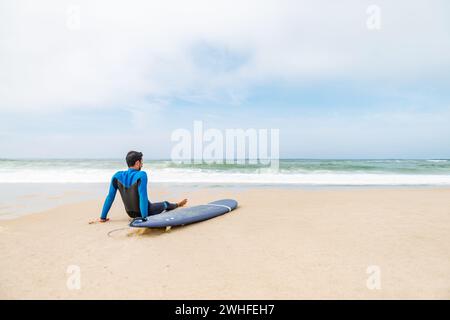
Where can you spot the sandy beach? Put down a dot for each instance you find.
(281, 243)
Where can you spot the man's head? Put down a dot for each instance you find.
(134, 160)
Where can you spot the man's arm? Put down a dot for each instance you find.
(109, 199)
(143, 197)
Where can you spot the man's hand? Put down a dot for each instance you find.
(99, 220)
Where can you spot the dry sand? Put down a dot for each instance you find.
(279, 244)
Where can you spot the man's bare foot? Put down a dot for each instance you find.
(182, 203)
(99, 220)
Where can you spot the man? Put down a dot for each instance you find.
(137, 179)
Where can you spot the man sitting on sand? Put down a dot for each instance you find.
(129, 178)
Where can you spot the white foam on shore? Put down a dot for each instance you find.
(216, 177)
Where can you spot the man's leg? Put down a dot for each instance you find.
(158, 207)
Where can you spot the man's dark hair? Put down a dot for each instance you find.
(132, 157)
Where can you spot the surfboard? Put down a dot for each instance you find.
(183, 216)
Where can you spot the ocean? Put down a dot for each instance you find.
(389, 172)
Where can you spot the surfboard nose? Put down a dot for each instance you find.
(231, 203)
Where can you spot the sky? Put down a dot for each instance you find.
(94, 79)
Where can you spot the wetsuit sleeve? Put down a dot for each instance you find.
(143, 197)
(110, 198)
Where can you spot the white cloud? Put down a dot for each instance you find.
(137, 50)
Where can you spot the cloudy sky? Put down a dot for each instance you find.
(97, 78)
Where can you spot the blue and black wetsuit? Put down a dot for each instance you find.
(135, 181)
